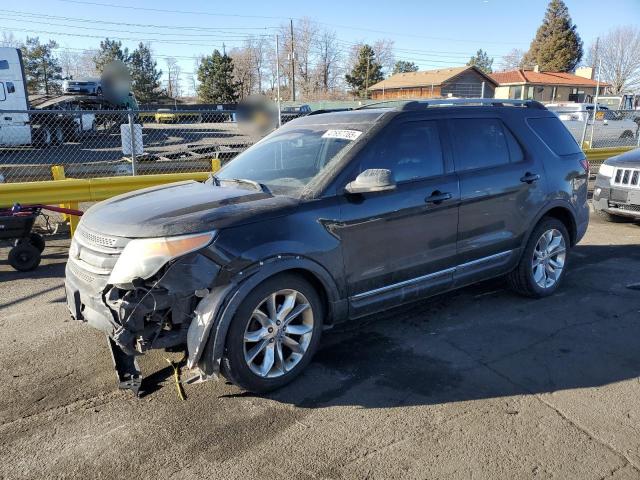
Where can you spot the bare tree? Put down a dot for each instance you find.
(173, 78)
(384, 54)
(306, 38)
(243, 71)
(328, 60)
(77, 64)
(619, 55)
(512, 60)
(9, 40)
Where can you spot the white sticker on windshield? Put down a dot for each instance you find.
(342, 134)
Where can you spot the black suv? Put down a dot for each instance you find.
(331, 217)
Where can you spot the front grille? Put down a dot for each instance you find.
(98, 239)
(630, 208)
(95, 253)
(629, 177)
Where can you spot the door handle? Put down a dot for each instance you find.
(530, 178)
(438, 197)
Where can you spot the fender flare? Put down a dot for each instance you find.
(209, 337)
(546, 209)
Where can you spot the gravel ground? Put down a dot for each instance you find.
(475, 384)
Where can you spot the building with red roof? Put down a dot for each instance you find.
(547, 86)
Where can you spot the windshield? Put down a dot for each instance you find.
(290, 158)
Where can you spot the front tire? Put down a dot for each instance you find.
(274, 334)
(543, 262)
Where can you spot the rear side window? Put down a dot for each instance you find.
(4, 65)
(555, 135)
(11, 87)
(480, 143)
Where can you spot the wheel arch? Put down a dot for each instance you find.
(561, 211)
(209, 349)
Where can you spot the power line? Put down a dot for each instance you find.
(161, 10)
(235, 36)
(143, 25)
(150, 40)
(349, 27)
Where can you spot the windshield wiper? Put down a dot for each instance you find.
(245, 181)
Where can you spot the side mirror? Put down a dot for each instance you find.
(372, 180)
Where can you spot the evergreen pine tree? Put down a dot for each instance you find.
(366, 64)
(42, 68)
(110, 50)
(482, 61)
(557, 46)
(216, 80)
(145, 77)
(402, 66)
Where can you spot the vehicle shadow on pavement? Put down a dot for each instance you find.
(485, 342)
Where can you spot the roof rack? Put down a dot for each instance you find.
(454, 102)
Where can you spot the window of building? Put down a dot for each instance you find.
(515, 92)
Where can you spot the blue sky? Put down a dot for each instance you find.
(432, 34)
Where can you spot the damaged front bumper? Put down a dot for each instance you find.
(154, 314)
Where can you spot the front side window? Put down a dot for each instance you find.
(479, 143)
(411, 150)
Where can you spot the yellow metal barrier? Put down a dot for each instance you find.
(69, 191)
(85, 190)
(599, 155)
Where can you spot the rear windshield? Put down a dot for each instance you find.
(555, 135)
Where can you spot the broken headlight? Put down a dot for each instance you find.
(144, 257)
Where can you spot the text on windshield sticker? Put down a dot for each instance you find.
(342, 134)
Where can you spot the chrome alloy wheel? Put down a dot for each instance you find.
(278, 333)
(549, 258)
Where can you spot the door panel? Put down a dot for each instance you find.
(497, 205)
(400, 244)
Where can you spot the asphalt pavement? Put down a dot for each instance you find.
(479, 383)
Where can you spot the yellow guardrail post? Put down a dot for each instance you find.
(57, 171)
(215, 164)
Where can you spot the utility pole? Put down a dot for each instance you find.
(293, 65)
(366, 80)
(278, 82)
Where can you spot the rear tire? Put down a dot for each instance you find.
(607, 217)
(24, 257)
(541, 269)
(255, 318)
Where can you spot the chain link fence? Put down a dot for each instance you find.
(100, 143)
(602, 129)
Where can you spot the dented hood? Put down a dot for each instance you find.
(182, 208)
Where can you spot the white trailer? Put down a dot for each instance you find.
(14, 127)
(52, 119)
